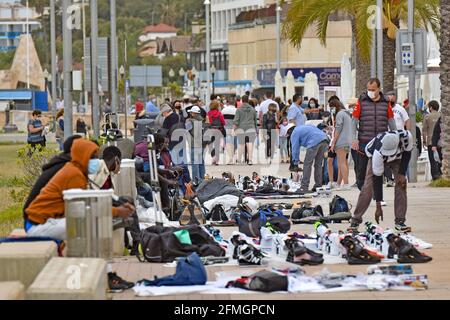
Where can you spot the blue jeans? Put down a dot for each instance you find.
(198, 163)
(60, 144)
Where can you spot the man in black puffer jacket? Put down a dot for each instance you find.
(49, 170)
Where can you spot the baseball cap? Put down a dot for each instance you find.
(390, 144)
(166, 108)
(195, 109)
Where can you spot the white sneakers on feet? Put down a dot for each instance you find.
(332, 185)
(345, 187)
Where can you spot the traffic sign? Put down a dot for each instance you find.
(410, 55)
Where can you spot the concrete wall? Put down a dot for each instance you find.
(254, 48)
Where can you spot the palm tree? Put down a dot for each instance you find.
(169, 11)
(303, 14)
(445, 82)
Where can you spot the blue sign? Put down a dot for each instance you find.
(327, 77)
(127, 84)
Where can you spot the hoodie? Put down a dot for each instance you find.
(49, 204)
(246, 118)
(216, 114)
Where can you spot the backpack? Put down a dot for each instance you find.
(339, 205)
(250, 225)
(217, 124)
(192, 215)
(161, 245)
(307, 214)
(217, 214)
(263, 281)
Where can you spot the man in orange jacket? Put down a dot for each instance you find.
(45, 215)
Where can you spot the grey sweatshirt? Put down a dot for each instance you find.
(344, 128)
(246, 117)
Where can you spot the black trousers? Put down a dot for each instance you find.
(436, 171)
(361, 165)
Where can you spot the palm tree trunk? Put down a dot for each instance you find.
(362, 67)
(445, 82)
(389, 63)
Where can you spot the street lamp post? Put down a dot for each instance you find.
(67, 57)
(412, 94)
(182, 74)
(278, 30)
(207, 4)
(122, 73)
(213, 73)
(94, 69)
(380, 42)
(114, 50)
(53, 57)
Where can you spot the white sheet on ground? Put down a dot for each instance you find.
(227, 201)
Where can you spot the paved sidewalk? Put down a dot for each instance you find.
(428, 214)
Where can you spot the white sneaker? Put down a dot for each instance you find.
(383, 203)
(416, 242)
(345, 187)
(332, 185)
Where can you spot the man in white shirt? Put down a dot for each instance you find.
(401, 116)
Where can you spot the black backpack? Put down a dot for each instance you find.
(217, 214)
(339, 205)
(307, 214)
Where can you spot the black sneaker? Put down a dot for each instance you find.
(354, 226)
(249, 256)
(294, 168)
(403, 228)
(117, 284)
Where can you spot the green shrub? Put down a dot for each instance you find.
(10, 219)
(441, 183)
(31, 162)
(419, 117)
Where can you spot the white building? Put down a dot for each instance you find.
(162, 30)
(224, 13)
(13, 23)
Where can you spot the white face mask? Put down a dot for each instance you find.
(371, 94)
(313, 105)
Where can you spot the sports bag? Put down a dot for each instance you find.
(307, 214)
(263, 281)
(250, 225)
(339, 205)
(192, 215)
(217, 213)
(161, 245)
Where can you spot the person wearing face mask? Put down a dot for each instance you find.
(373, 115)
(355, 156)
(284, 127)
(109, 165)
(151, 105)
(45, 215)
(313, 108)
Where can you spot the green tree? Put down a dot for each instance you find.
(303, 14)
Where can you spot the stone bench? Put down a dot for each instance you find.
(71, 279)
(23, 261)
(12, 291)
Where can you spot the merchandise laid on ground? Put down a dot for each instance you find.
(226, 238)
(264, 254)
